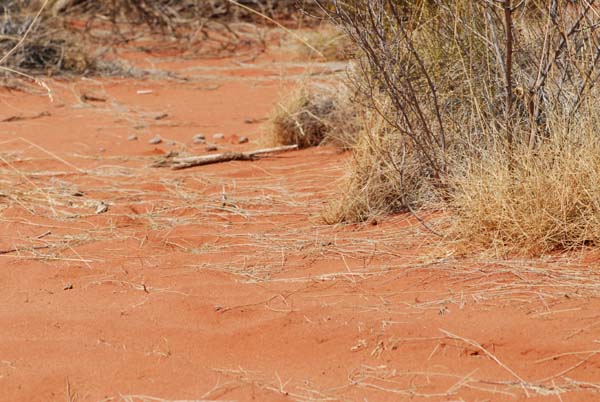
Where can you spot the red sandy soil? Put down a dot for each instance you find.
(222, 283)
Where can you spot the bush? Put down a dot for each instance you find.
(47, 48)
(330, 43)
(472, 87)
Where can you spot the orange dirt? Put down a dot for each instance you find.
(221, 282)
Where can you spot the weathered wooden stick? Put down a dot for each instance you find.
(184, 163)
(24, 248)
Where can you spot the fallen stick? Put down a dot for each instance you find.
(19, 249)
(184, 163)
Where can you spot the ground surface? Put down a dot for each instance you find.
(222, 283)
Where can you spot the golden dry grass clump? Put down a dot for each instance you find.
(481, 116)
(383, 176)
(313, 115)
(537, 201)
(327, 42)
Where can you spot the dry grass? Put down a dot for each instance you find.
(383, 177)
(541, 200)
(313, 115)
(74, 36)
(48, 48)
(518, 166)
(330, 42)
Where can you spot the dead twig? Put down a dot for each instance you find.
(17, 249)
(188, 162)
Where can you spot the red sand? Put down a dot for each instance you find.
(222, 283)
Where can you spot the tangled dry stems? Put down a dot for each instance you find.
(74, 36)
(331, 43)
(379, 173)
(489, 113)
(48, 48)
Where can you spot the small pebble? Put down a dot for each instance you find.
(102, 149)
(218, 136)
(155, 140)
(211, 148)
(243, 140)
(101, 208)
(199, 139)
(173, 143)
(132, 138)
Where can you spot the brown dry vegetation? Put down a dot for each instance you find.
(82, 37)
(327, 42)
(487, 108)
(534, 201)
(315, 114)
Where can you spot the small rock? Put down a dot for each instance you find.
(102, 150)
(249, 121)
(68, 286)
(173, 143)
(132, 138)
(211, 147)
(243, 140)
(155, 140)
(102, 208)
(218, 136)
(199, 139)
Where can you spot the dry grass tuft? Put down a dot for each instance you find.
(481, 115)
(48, 48)
(328, 40)
(540, 201)
(383, 176)
(313, 115)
